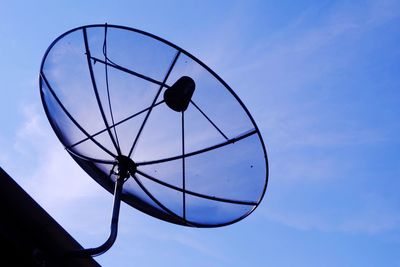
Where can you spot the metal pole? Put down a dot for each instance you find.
(93, 252)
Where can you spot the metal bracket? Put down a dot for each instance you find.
(93, 252)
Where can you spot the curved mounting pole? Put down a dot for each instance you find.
(93, 252)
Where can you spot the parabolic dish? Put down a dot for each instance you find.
(103, 88)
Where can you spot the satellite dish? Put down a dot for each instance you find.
(154, 125)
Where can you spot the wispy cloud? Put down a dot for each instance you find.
(4, 158)
(31, 128)
(293, 110)
(192, 242)
(48, 174)
(365, 221)
(284, 65)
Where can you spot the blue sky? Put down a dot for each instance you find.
(321, 79)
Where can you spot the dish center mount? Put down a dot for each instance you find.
(126, 167)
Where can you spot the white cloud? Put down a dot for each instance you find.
(288, 65)
(190, 241)
(58, 183)
(372, 223)
(360, 222)
(4, 158)
(48, 173)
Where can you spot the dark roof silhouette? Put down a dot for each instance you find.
(29, 235)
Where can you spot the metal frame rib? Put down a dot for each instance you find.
(72, 118)
(107, 83)
(154, 101)
(114, 125)
(110, 162)
(230, 141)
(213, 124)
(232, 201)
(183, 167)
(123, 69)
(147, 192)
(96, 91)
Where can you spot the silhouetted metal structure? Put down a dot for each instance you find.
(154, 125)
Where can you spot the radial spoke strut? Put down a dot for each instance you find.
(230, 141)
(154, 101)
(232, 201)
(72, 118)
(96, 91)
